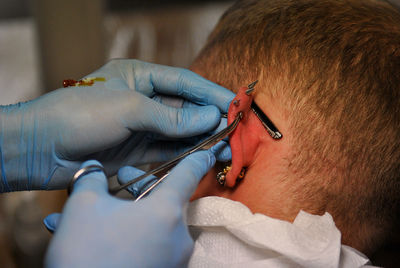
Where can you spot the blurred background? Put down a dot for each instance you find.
(43, 42)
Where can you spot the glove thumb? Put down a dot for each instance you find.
(125, 174)
(184, 122)
(51, 221)
(184, 178)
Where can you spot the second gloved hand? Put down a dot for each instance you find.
(99, 230)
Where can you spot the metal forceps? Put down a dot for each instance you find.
(204, 145)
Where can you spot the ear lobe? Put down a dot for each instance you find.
(245, 138)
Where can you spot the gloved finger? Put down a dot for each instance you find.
(222, 151)
(189, 85)
(172, 101)
(197, 139)
(94, 181)
(164, 151)
(178, 102)
(161, 151)
(127, 173)
(51, 221)
(193, 140)
(149, 78)
(184, 178)
(177, 122)
(188, 104)
(112, 73)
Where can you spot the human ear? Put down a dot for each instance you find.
(244, 140)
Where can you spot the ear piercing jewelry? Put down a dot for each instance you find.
(221, 176)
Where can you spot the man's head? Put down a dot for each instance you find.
(331, 69)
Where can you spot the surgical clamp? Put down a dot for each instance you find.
(204, 145)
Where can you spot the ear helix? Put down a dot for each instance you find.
(240, 104)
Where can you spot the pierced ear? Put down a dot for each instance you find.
(247, 136)
(243, 139)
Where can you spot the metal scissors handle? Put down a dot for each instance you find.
(204, 145)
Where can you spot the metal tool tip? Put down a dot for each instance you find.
(249, 91)
(251, 85)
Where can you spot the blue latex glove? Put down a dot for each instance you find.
(99, 230)
(222, 150)
(43, 142)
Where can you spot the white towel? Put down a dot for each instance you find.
(228, 234)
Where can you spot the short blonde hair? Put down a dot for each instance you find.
(335, 67)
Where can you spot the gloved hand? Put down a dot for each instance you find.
(43, 142)
(99, 230)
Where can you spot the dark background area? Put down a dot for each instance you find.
(22, 8)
